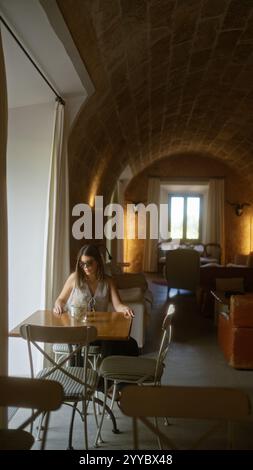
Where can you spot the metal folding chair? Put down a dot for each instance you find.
(79, 383)
(137, 370)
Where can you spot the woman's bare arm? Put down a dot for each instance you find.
(116, 301)
(65, 293)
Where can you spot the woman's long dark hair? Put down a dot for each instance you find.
(93, 252)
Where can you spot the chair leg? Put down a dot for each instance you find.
(98, 435)
(158, 437)
(113, 395)
(31, 425)
(203, 302)
(166, 422)
(43, 440)
(115, 430)
(85, 424)
(95, 411)
(96, 395)
(40, 427)
(70, 447)
(230, 436)
(135, 434)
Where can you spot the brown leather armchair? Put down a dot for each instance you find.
(235, 332)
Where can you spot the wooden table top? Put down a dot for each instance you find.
(110, 325)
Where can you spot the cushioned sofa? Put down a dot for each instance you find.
(133, 290)
(235, 332)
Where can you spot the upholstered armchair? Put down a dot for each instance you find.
(235, 332)
(133, 290)
(211, 254)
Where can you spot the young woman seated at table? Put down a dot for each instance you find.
(89, 285)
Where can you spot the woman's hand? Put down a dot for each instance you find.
(59, 307)
(116, 301)
(64, 295)
(127, 311)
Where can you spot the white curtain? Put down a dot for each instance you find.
(215, 223)
(118, 244)
(150, 245)
(3, 230)
(56, 251)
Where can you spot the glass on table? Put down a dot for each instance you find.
(83, 311)
(79, 312)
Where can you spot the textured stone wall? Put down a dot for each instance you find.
(170, 76)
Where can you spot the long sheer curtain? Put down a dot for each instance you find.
(116, 246)
(3, 230)
(150, 245)
(56, 252)
(215, 214)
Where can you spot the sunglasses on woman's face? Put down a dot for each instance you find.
(86, 264)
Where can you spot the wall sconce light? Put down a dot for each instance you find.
(238, 207)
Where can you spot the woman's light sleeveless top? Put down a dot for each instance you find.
(98, 302)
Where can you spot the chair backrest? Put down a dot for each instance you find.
(213, 403)
(80, 336)
(200, 247)
(36, 394)
(183, 269)
(165, 342)
(165, 245)
(213, 250)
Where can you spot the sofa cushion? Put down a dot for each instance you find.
(139, 322)
(134, 294)
(241, 310)
(129, 280)
(236, 344)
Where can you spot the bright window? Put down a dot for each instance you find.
(185, 217)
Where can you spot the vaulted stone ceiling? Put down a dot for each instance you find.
(170, 76)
